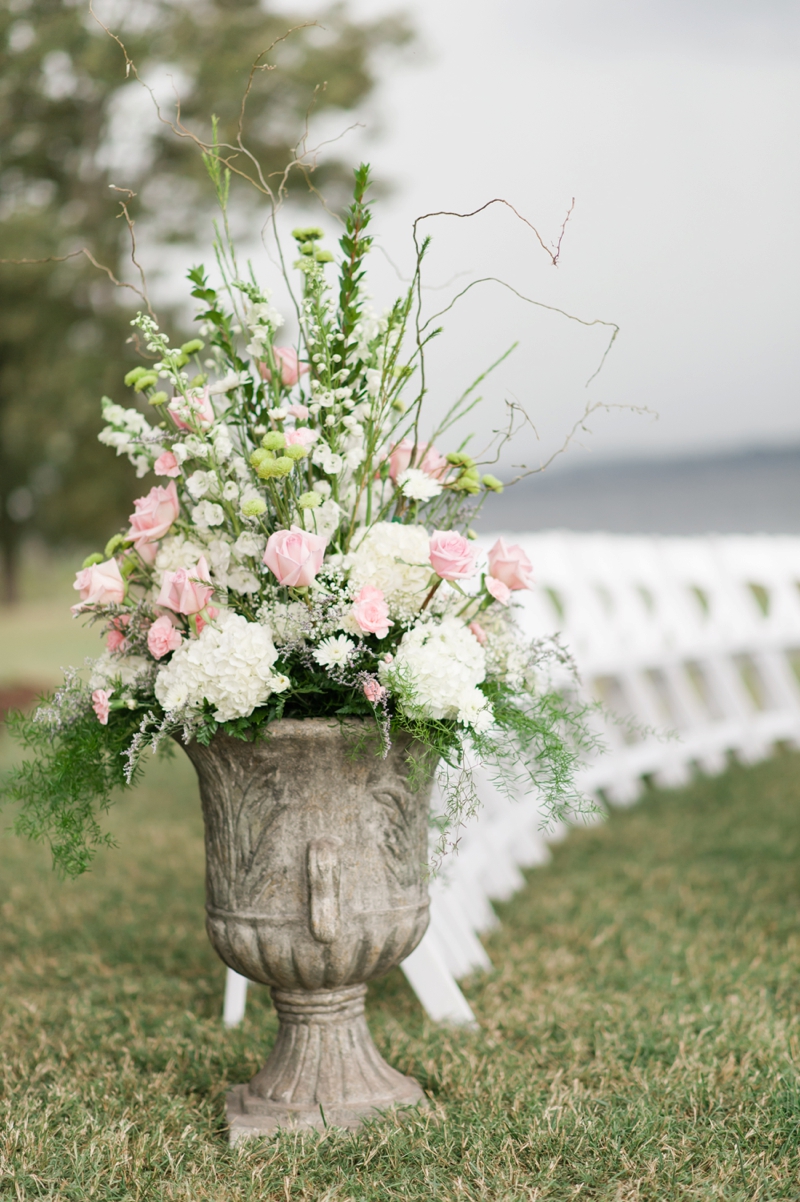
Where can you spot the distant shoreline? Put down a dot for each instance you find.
(741, 492)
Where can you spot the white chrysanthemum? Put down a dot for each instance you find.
(418, 485)
(334, 651)
(229, 665)
(108, 668)
(395, 559)
(442, 663)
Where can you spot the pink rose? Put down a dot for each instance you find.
(300, 412)
(301, 436)
(185, 591)
(500, 591)
(100, 700)
(162, 637)
(478, 631)
(374, 692)
(154, 515)
(212, 612)
(295, 556)
(196, 405)
(433, 464)
(510, 564)
(101, 584)
(371, 612)
(291, 367)
(166, 465)
(452, 557)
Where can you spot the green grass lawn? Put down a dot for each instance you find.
(638, 1037)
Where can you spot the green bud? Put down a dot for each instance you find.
(283, 465)
(260, 456)
(307, 233)
(178, 359)
(492, 483)
(306, 248)
(128, 566)
(399, 406)
(254, 508)
(199, 380)
(114, 544)
(323, 256)
(458, 459)
(134, 374)
(466, 484)
(145, 381)
(273, 440)
(159, 398)
(473, 534)
(471, 473)
(192, 346)
(92, 559)
(309, 500)
(296, 452)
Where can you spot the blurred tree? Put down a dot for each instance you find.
(67, 132)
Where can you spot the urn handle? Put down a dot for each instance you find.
(323, 887)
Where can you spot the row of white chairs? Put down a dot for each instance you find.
(690, 644)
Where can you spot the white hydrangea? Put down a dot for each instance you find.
(108, 668)
(396, 559)
(176, 551)
(229, 665)
(442, 663)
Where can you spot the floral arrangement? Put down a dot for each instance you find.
(305, 552)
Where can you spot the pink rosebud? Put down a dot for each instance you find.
(162, 637)
(193, 410)
(452, 557)
(154, 515)
(186, 591)
(101, 584)
(166, 465)
(500, 591)
(291, 367)
(510, 564)
(371, 612)
(427, 458)
(478, 631)
(100, 700)
(295, 556)
(301, 436)
(200, 622)
(374, 692)
(116, 640)
(300, 412)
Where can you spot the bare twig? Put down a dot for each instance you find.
(498, 200)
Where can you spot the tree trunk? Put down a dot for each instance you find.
(10, 558)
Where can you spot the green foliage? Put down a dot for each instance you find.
(72, 774)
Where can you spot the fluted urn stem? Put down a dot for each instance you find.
(324, 1069)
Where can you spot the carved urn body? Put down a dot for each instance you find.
(315, 884)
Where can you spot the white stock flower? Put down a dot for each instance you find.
(334, 651)
(324, 520)
(373, 379)
(223, 444)
(229, 665)
(199, 483)
(328, 460)
(395, 559)
(441, 662)
(219, 557)
(207, 514)
(249, 544)
(230, 491)
(418, 485)
(196, 447)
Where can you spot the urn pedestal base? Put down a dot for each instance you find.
(324, 1069)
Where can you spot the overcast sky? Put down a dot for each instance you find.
(674, 124)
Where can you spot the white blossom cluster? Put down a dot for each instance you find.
(395, 559)
(229, 666)
(440, 664)
(127, 431)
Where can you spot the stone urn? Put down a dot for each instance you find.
(316, 852)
